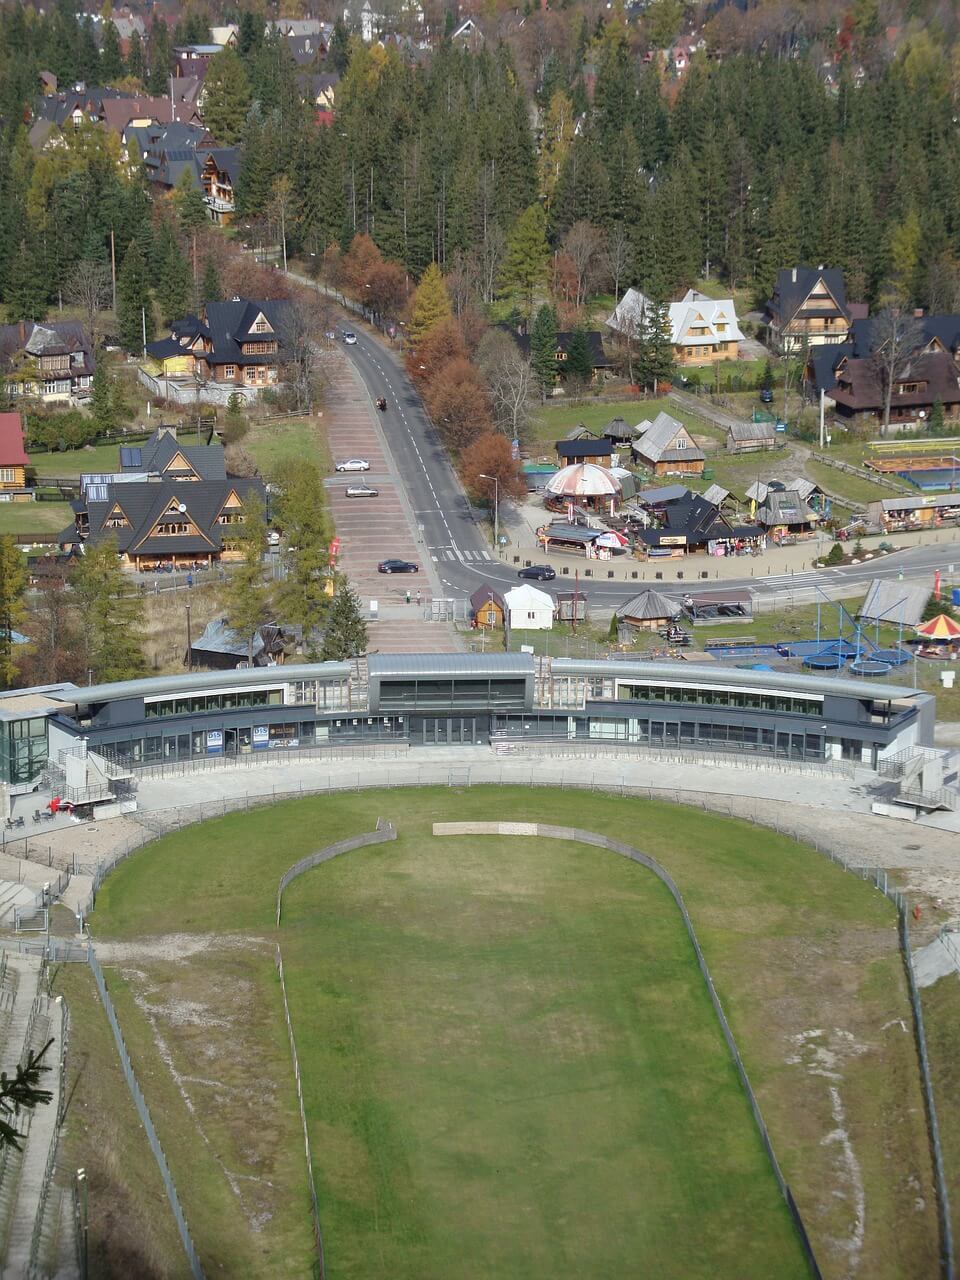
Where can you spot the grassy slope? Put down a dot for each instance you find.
(34, 517)
(941, 1016)
(494, 1052)
(779, 926)
(72, 462)
(846, 485)
(275, 442)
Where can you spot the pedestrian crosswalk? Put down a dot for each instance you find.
(446, 553)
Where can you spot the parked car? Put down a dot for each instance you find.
(766, 396)
(361, 491)
(350, 338)
(538, 572)
(397, 566)
(353, 464)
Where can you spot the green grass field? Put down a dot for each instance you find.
(499, 1038)
(510, 1066)
(74, 462)
(34, 517)
(276, 442)
(554, 420)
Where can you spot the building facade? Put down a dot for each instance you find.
(464, 698)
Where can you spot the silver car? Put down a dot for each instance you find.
(361, 491)
(353, 464)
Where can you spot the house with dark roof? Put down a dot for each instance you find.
(808, 308)
(930, 377)
(668, 448)
(51, 362)
(598, 357)
(169, 504)
(233, 347)
(693, 524)
(784, 512)
(13, 460)
(597, 451)
(222, 649)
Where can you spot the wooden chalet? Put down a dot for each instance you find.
(930, 377)
(751, 437)
(488, 607)
(238, 342)
(808, 308)
(649, 611)
(668, 448)
(591, 449)
(13, 460)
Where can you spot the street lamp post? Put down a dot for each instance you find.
(189, 640)
(496, 508)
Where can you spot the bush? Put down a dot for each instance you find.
(59, 431)
(835, 554)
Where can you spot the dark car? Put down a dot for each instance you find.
(539, 573)
(766, 396)
(397, 566)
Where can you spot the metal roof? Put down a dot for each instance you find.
(473, 665)
(699, 673)
(196, 682)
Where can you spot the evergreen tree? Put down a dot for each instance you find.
(113, 619)
(249, 33)
(543, 348)
(431, 304)
(111, 57)
(346, 634)
(13, 586)
(160, 57)
(246, 599)
(102, 403)
(338, 53)
(188, 198)
(301, 512)
(661, 356)
(136, 58)
(171, 274)
(227, 97)
(211, 289)
(133, 301)
(26, 292)
(525, 260)
(937, 425)
(579, 361)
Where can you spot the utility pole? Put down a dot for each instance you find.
(113, 269)
(143, 324)
(822, 432)
(496, 508)
(189, 640)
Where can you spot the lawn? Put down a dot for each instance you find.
(95, 459)
(844, 484)
(272, 443)
(553, 421)
(34, 517)
(552, 936)
(496, 1052)
(941, 1016)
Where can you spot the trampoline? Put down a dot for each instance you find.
(892, 657)
(824, 661)
(869, 667)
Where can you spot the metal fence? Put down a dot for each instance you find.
(314, 1206)
(34, 1271)
(145, 1119)
(628, 851)
(384, 831)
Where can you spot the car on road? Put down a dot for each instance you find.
(353, 464)
(766, 396)
(397, 566)
(538, 572)
(350, 338)
(361, 491)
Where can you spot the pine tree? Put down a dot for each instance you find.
(160, 56)
(13, 586)
(171, 274)
(26, 292)
(245, 597)
(111, 57)
(102, 403)
(112, 618)
(543, 348)
(579, 361)
(227, 99)
(525, 260)
(338, 53)
(187, 196)
(134, 300)
(661, 355)
(301, 512)
(346, 634)
(211, 289)
(937, 426)
(431, 304)
(136, 59)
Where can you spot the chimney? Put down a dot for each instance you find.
(793, 275)
(918, 313)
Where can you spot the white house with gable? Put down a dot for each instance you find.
(702, 329)
(528, 608)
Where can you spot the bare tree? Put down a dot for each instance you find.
(89, 288)
(583, 244)
(896, 337)
(511, 380)
(306, 318)
(461, 282)
(616, 256)
(488, 260)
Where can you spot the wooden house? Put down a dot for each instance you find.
(704, 330)
(668, 448)
(599, 452)
(239, 343)
(648, 611)
(751, 437)
(488, 608)
(50, 362)
(929, 377)
(808, 308)
(13, 460)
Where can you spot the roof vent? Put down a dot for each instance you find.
(235, 298)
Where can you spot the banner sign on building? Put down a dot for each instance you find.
(214, 742)
(261, 736)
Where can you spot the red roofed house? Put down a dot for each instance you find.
(13, 460)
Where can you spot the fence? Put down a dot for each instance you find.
(628, 851)
(385, 831)
(144, 1114)
(314, 1206)
(34, 1271)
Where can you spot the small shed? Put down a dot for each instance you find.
(528, 608)
(648, 611)
(750, 437)
(488, 607)
(222, 649)
(597, 452)
(571, 606)
(618, 432)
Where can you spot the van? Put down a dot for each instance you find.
(361, 491)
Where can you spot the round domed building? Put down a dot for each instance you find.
(586, 485)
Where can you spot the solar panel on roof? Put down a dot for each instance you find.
(96, 492)
(131, 456)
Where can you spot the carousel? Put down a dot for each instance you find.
(939, 639)
(583, 485)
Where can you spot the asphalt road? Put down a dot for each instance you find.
(454, 541)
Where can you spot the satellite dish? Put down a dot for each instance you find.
(181, 507)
